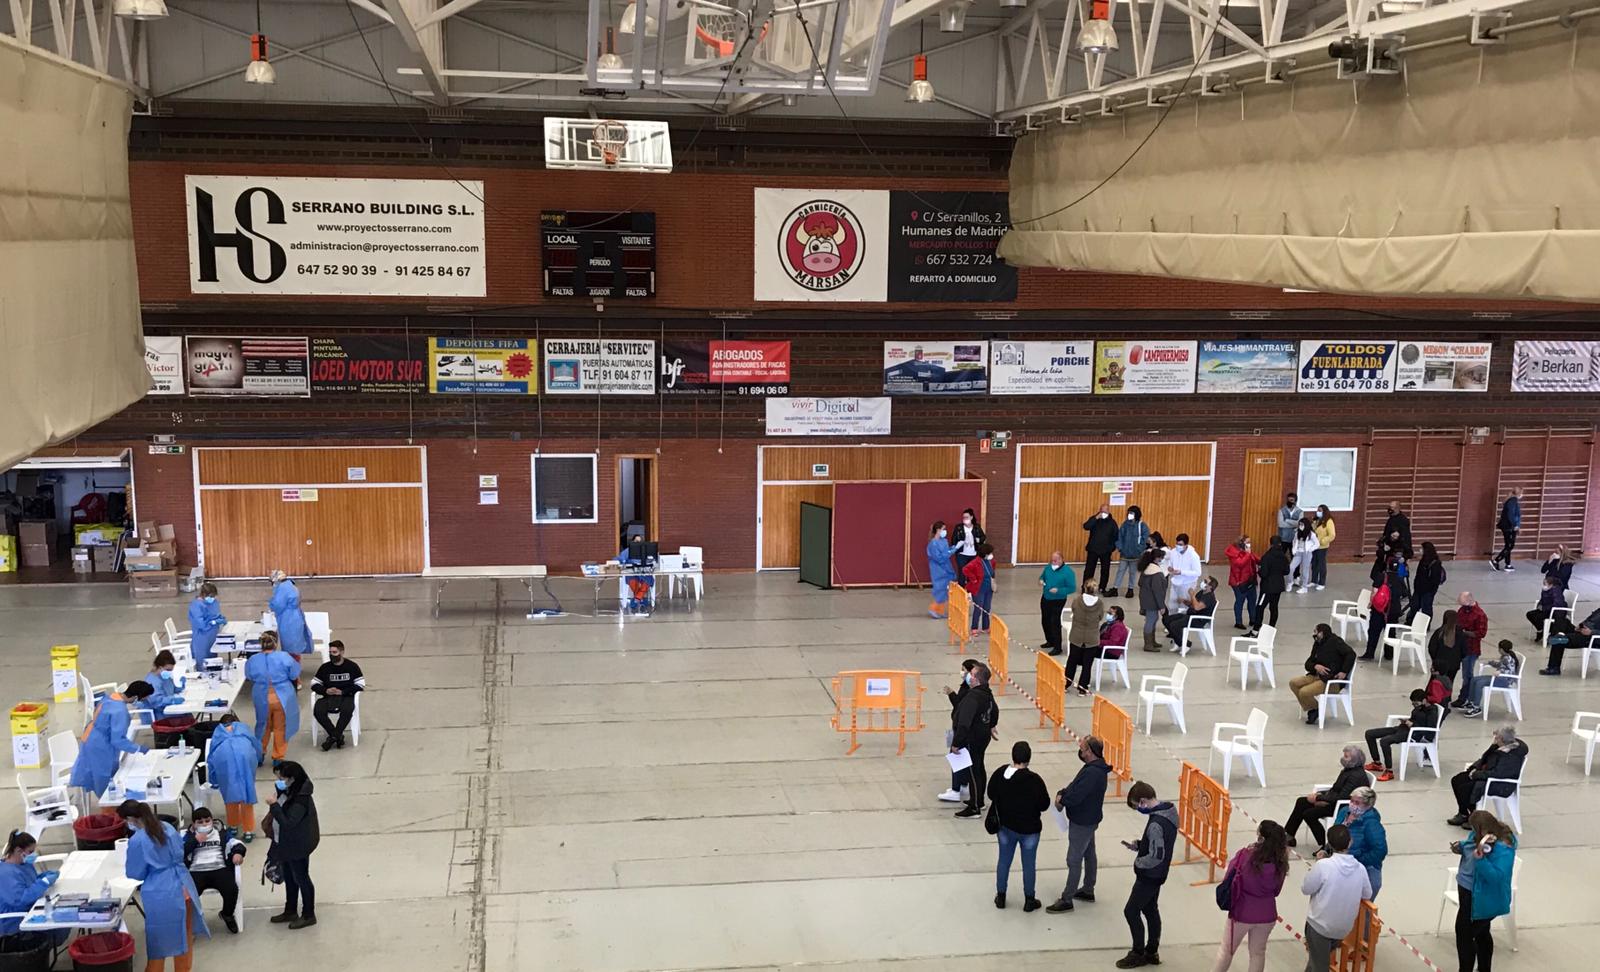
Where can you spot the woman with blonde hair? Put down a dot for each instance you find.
(1483, 885)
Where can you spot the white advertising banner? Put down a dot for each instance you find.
(1041, 367)
(384, 237)
(1448, 366)
(825, 244)
(611, 367)
(163, 358)
(1144, 367)
(1347, 366)
(828, 416)
(1556, 366)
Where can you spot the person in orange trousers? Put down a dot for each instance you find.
(274, 674)
(155, 858)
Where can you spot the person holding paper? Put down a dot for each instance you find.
(959, 788)
(1082, 804)
(972, 734)
(1019, 796)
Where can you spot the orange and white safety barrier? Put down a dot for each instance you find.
(1114, 726)
(877, 701)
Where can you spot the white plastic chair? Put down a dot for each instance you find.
(1592, 648)
(694, 559)
(1511, 803)
(1332, 698)
(1420, 740)
(353, 730)
(176, 637)
(1118, 665)
(1570, 598)
(1346, 613)
(1412, 638)
(1200, 628)
(44, 808)
(1255, 651)
(63, 754)
(1452, 899)
(1587, 735)
(1163, 690)
(90, 695)
(1512, 692)
(1250, 745)
(321, 631)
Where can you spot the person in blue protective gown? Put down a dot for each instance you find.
(273, 673)
(21, 886)
(106, 738)
(166, 685)
(293, 634)
(231, 768)
(205, 623)
(171, 903)
(941, 572)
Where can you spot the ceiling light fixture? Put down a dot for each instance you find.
(260, 70)
(953, 19)
(140, 9)
(1097, 35)
(610, 60)
(630, 19)
(920, 90)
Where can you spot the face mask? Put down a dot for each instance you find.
(1084, 757)
(211, 600)
(1146, 810)
(282, 785)
(202, 829)
(968, 679)
(1130, 517)
(1247, 545)
(943, 531)
(1182, 547)
(966, 521)
(1103, 515)
(30, 858)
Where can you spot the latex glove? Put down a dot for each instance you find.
(50, 877)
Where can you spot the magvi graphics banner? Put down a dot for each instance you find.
(1246, 367)
(731, 367)
(284, 235)
(1347, 366)
(275, 366)
(610, 366)
(826, 244)
(1041, 367)
(367, 365)
(163, 358)
(482, 366)
(1556, 366)
(936, 367)
(1448, 366)
(1144, 367)
(828, 416)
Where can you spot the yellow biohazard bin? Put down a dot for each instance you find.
(28, 722)
(64, 672)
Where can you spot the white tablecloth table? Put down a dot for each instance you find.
(173, 767)
(199, 689)
(85, 872)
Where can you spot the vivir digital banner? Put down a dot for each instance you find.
(608, 366)
(1246, 367)
(936, 367)
(1350, 367)
(725, 367)
(1447, 366)
(288, 235)
(1041, 367)
(368, 365)
(942, 247)
(163, 358)
(268, 366)
(828, 416)
(1144, 367)
(482, 366)
(1556, 366)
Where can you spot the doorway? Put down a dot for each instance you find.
(1263, 494)
(62, 518)
(636, 497)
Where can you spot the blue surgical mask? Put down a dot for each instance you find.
(30, 858)
(943, 532)
(282, 785)
(211, 600)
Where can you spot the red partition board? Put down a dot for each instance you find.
(869, 534)
(939, 500)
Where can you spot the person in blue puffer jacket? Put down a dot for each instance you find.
(1131, 539)
(1484, 886)
(1369, 842)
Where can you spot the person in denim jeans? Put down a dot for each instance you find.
(1017, 796)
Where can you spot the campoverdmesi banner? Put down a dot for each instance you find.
(370, 237)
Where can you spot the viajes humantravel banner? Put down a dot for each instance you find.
(828, 416)
(1244, 367)
(1556, 366)
(1347, 366)
(823, 244)
(1041, 367)
(1144, 367)
(1449, 366)
(935, 367)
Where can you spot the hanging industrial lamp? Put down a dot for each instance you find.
(1097, 35)
(609, 59)
(953, 18)
(260, 70)
(920, 90)
(630, 18)
(140, 9)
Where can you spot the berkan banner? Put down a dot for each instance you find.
(370, 237)
(163, 358)
(731, 367)
(1556, 366)
(821, 245)
(608, 366)
(1041, 367)
(942, 247)
(1448, 366)
(1349, 367)
(367, 366)
(275, 366)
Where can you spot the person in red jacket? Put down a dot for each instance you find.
(1242, 564)
(978, 578)
(1475, 624)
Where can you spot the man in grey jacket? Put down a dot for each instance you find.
(1082, 801)
(1154, 847)
(1289, 515)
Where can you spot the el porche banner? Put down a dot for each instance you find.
(1041, 367)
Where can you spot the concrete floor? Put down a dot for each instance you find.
(580, 794)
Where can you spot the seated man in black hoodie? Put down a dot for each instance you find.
(1082, 801)
(1424, 715)
(1154, 847)
(1501, 761)
(1330, 659)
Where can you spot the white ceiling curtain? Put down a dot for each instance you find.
(71, 348)
(1473, 174)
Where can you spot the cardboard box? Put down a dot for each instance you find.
(34, 533)
(167, 547)
(105, 558)
(147, 530)
(82, 560)
(153, 583)
(36, 554)
(139, 562)
(166, 532)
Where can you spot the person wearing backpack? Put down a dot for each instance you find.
(1253, 881)
(1387, 601)
(971, 725)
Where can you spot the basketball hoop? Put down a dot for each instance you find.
(720, 31)
(609, 138)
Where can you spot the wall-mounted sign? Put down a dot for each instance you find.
(942, 247)
(300, 496)
(599, 255)
(1556, 366)
(482, 366)
(1347, 366)
(1144, 367)
(935, 367)
(731, 367)
(608, 366)
(828, 416)
(368, 366)
(1451, 366)
(488, 497)
(819, 470)
(489, 482)
(1041, 367)
(1246, 367)
(267, 366)
(355, 474)
(822, 244)
(163, 358)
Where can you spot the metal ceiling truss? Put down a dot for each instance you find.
(111, 45)
(1043, 80)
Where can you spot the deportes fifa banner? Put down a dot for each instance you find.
(731, 367)
(828, 416)
(1347, 366)
(1447, 366)
(1245, 367)
(1144, 367)
(384, 237)
(936, 368)
(275, 366)
(609, 366)
(482, 366)
(1041, 367)
(163, 358)
(367, 366)
(825, 244)
(1556, 366)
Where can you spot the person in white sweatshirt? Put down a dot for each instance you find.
(1336, 885)
(1304, 547)
(1183, 572)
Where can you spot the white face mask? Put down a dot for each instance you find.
(1130, 517)
(1104, 515)
(1182, 547)
(943, 531)
(202, 829)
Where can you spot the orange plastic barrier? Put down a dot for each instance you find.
(1050, 691)
(877, 701)
(1113, 725)
(1203, 811)
(999, 654)
(960, 616)
(1359, 950)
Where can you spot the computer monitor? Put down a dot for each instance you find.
(643, 551)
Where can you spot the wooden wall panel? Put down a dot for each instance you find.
(1050, 515)
(780, 520)
(309, 467)
(1263, 496)
(781, 463)
(1116, 460)
(251, 532)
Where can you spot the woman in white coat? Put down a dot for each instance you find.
(1304, 548)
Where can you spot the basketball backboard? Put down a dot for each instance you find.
(589, 143)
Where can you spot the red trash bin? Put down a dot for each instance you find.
(102, 952)
(99, 831)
